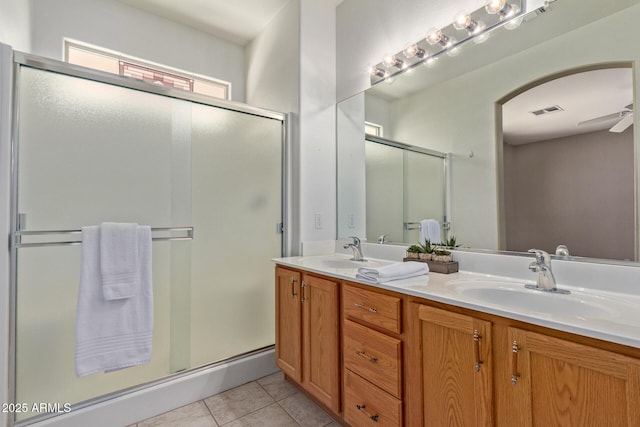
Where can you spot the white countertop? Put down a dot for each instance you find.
(617, 318)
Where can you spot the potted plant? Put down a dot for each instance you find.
(451, 243)
(440, 254)
(413, 251)
(426, 250)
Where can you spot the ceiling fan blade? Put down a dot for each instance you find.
(623, 124)
(600, 119)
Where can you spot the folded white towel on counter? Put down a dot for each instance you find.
(397, 271)
(119, 259)
(112, 334)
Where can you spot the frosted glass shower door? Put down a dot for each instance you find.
(88, 153)
(237, 204)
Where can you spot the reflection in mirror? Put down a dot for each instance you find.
(452, 108)
(569, 165)
(403, 186)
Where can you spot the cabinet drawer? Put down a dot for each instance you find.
(374, 356)
(372, 307)
(365, 404)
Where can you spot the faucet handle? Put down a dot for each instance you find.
(356, 240)
(542, 257)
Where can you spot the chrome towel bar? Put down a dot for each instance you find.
(16, 241)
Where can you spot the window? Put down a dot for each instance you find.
(117, 63)
(373, 129)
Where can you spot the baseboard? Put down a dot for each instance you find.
(190, 387)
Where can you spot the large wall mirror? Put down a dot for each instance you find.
(460, 107)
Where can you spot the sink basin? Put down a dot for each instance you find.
(340, 263)
(515, 295)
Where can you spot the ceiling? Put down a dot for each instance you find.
(238, 21)
(583, 96)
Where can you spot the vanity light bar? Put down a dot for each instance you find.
(466, 27)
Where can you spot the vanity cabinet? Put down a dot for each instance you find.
(453, 362)
(372, 354)
(308, 333)
(552, 381)
(375, 357)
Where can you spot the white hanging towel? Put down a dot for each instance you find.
(430, 230)
(434, 230)
(113, 334)
(119, 259)
(424, 231)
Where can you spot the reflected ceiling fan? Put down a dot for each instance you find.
(625, 119)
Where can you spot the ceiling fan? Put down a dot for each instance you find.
(625, 119)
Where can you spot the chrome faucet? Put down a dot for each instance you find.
(357, 250)
(546, 280)
(383, 239)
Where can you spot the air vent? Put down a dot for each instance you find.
(548, 110)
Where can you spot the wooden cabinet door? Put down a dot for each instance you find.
(561, 383)
(320, 342)
(457, 379)
(288, 323)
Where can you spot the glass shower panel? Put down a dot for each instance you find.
(236, 197)
(384, 188)
(424, 191)
(90, 152)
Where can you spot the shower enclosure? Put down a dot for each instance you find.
(206, 175)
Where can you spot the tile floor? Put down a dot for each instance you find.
(269, 401)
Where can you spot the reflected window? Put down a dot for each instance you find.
(373, 129)
(123, 65)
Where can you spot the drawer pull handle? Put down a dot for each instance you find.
(371, 359)
(476, 350)
(293, 290)
(514, 363)
(364, 307)
(362, 408)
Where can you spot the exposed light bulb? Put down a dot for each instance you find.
(391, 61)
(436, 36)
(378, 72)
(463, 21)
(501, 7)
(412, 50)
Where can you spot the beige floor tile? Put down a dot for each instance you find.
(193, 415)
(271, 416)
(238, 402)
(277, 386)
(304, 411)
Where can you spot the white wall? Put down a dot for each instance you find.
(291, 68)
(14, 24)
(117, 26)
(317, 119)
(273, 82)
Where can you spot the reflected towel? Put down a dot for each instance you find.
(119, 259)
(397, 271)
(112, 334)
(430, 230)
